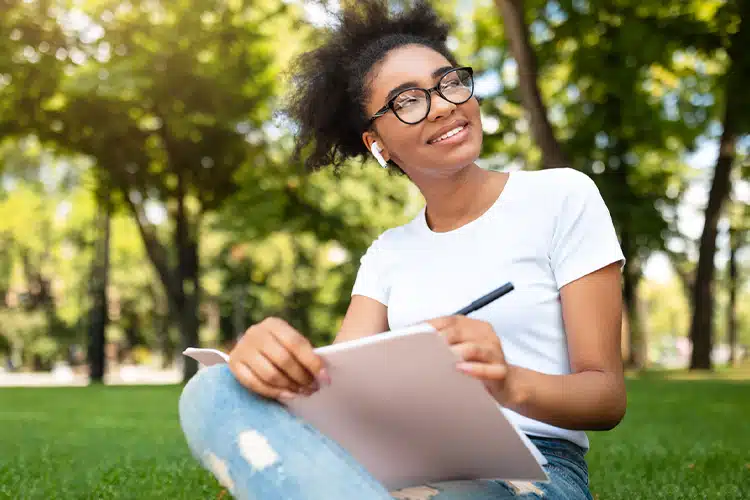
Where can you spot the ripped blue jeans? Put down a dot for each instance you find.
(259, 451)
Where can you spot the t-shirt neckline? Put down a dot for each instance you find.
(466, 227)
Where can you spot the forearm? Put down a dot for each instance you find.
(589, 400)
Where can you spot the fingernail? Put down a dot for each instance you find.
(323, 377)
(310, 389)
(287, 396)
(315, 386)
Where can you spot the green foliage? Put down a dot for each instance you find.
(169, 100)
(172, 105)
(26, 333)
(607, 103)
(47, 214)
(293, 242)
(668, 309)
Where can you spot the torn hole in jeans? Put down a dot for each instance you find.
(415, 493)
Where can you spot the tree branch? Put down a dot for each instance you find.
(155, 250)
(517, 34)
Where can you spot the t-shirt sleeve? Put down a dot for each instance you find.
(584, 238)
(371, 280)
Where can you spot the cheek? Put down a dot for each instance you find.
(477, 134)
(474, 115)
(404, 143)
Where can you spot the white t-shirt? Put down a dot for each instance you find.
(546, 229)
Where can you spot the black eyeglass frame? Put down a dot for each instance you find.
(428, 92)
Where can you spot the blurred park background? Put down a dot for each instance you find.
(149, 202)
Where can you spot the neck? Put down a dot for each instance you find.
(456, 199)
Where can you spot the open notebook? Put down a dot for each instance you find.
(398, 406)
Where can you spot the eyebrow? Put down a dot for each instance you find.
(396, 90)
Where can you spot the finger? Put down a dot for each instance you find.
(483, 371)
(300, 348)
(269, 374)
(453, 334)
(287, 363)
(244, 374)
(470, 351)
(442, 322)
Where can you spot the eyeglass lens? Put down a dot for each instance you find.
(412, 105)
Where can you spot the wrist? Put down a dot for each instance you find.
(518, 391)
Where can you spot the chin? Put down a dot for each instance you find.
(447, 159)
(459, 156)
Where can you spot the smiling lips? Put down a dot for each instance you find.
(447, 134)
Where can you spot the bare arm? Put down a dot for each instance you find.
(593, 396)
(364, 317)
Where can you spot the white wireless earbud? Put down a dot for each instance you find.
(376, 153)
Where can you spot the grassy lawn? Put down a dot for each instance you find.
(681, 439)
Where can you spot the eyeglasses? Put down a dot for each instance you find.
(412, 105)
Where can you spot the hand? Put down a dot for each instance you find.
(276, 361)
(478, 346)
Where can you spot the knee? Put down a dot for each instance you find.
(214, 393)
(207, 397)
(215, 409)
(203, 388)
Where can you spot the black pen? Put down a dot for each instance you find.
(483, 301)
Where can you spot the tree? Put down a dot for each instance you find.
(739, 228)
(100, 272)
(612, 126)
(169, 100)
(37, 245)
(733, 125)
(513, 14)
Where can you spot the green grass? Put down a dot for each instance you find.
(680, 439)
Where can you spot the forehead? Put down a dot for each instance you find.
(410, 63)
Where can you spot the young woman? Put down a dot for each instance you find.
(385, 84)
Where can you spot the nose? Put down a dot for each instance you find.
(439, 107)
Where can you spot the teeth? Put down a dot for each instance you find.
(448, 134)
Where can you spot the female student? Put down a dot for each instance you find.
(385, 84)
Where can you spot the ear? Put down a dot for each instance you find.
(369, 138)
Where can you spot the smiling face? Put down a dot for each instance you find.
(449, 139)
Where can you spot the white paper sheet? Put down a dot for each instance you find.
(398, 405)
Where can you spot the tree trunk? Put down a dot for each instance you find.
(734, 246)
(98, 316)
(132, 327)
(682, 267)
(517, 34)
(181, 282)
(188, 279)
(701, 327)
(637, 345)
(735, 103)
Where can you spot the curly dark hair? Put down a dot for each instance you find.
(329, 91)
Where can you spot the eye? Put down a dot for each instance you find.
(405, 102)
(451, 83)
